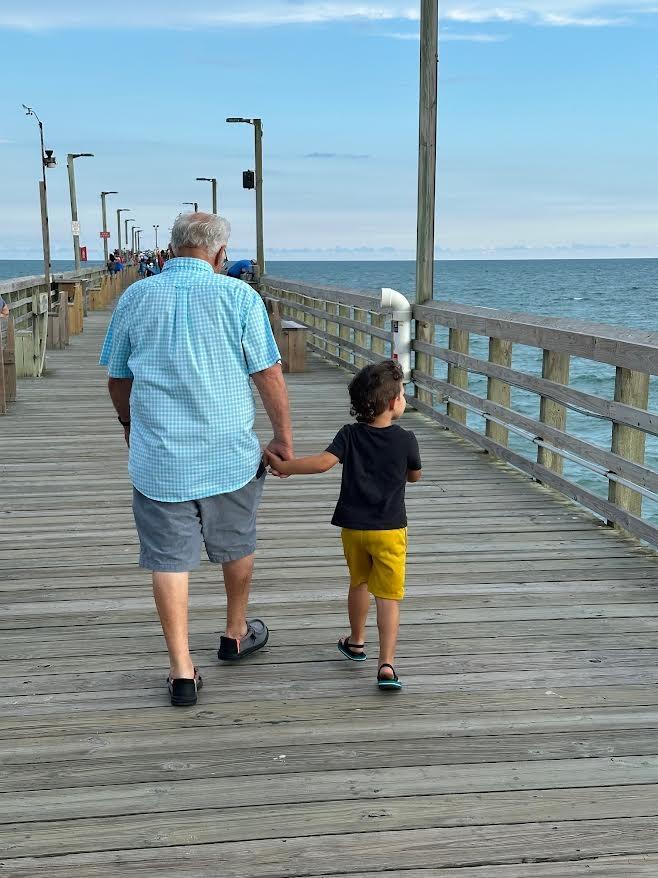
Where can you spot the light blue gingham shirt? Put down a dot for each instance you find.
(190, 339)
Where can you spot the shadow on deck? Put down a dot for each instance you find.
(523, 746)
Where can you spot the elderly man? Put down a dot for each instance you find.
(180, 351)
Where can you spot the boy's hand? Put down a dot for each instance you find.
(275, 460)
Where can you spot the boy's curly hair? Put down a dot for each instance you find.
(372, 389)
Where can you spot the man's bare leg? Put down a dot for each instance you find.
(170, 591)
(237, 581)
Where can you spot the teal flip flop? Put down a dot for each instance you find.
(388, 684)
(348, 650)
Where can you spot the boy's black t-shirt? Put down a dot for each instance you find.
(375, 463)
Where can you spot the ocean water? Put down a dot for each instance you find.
(617, 291)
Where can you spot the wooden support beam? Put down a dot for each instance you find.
(500, 353)
(555, 367)
(631, 388)
(458, 340)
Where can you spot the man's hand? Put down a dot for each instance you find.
(278, 450)
(5, 311)
(126, 435)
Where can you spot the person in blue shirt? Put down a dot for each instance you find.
(4, 308)
(242, 266)
(181, 350)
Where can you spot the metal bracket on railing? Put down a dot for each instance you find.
(401, 326)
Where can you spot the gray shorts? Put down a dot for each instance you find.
(170, 534)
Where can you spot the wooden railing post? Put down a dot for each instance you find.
(360, 338)
(458, 340)
(332, 328)
(345, 332)
(378, 345)
(500, 352)
(424, 362)
(555, 367)
(631, 388)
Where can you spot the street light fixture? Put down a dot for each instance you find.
(156, 236)
(138, 234)
(104, 218)
(119, 212)
(213, 182)
(194, 204)
(75, 225)
(48, 160)
(258, 151)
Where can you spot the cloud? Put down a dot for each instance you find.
(34, 15)
(337, 155)
(450, 36)
(3, 141)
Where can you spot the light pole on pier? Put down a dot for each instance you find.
(125, 228)
(429, 61)
(155, 228)
(258, 150)
(136, 234)
(75, 225)
(119, 212)
(194, 204)
(48, 160)
(213, 182)
(104, 218)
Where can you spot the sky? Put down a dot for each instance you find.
(548, 123)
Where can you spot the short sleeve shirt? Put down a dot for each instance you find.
(375, 462)
(190, 339)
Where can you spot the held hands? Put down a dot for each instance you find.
(4, 312)
(275, 455)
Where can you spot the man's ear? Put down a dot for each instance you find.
(218, 261)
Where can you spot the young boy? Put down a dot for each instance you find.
(378, 459)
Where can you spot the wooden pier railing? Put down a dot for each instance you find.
(42, 318)
(350, 329)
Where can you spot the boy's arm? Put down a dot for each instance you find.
(414, 465)
(413, 475)
(302, 466)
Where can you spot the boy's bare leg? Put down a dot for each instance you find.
(237, 582)
(358, 603)
(170, 591)
(388, 623)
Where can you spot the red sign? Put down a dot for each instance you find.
(105, 234)
(83, 254)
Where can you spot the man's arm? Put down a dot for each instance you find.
(274, 394)
(119, 389)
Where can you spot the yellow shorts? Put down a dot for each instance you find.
(377, 557)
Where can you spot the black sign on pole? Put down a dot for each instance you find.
(248, 179)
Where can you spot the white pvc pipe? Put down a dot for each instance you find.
(401, 328)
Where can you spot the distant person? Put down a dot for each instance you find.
(4, 308)
(242, 269)
(181, 350)
(113, 264)
(378, 459)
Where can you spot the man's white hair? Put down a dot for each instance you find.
(204, 231)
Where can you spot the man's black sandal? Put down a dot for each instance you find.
(349, 650)
(183, 691)
(388, 683)
(231, 650)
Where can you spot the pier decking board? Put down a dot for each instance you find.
(526, 731)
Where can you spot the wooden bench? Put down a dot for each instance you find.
(7, 364)
(290, 337)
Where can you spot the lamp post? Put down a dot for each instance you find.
(75, 225)
(429, 58)
(104, 219)
(125, 228)
(119, 212)
(258, 151)
(213, 182)
(136, 233)
(155, 228)
(194, 204)
(48, 160)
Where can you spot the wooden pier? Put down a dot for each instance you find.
(525, 743)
